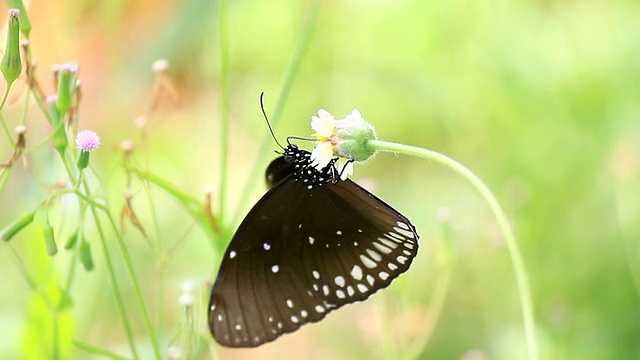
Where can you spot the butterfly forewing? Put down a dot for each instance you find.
(302, 251)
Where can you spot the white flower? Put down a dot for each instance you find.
(353, 119)
(337, 138)
(325, 126)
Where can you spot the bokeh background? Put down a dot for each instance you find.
(540, 98)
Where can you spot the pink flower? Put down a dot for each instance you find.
(87, 140)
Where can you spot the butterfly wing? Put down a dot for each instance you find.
(301, 253)
(277, 170)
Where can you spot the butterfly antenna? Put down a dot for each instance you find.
(300, 138)
(268, 123)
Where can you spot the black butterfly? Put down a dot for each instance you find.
(312, 244)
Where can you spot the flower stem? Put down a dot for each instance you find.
(224, 105)
(292, 71)
(4, 124)
(522, 279)
(130, 270)
(114, 283)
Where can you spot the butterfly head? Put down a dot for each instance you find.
(304, 171)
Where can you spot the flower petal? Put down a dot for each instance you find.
(323, 124)
(355, 116)
(321, 155)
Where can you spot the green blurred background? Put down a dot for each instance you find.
(540, 98)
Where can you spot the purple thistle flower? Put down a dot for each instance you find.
(87, 141)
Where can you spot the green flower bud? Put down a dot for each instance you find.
(60, 141)
(49, 240)
(87, 141)
(71, 241)
(11, 65)
(83, 159)
(66, 86)
(353, 133)
(84, 254)
(25, 24)
(13, 228)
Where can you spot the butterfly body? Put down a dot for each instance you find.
(312, 244)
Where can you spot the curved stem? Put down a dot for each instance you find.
(522, 279)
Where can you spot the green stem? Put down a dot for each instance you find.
(4, 124)
(129, 267)
(4, 176)
(224, 107)
(158, 251)
(522, 279)
(114, 282)
(292, 71)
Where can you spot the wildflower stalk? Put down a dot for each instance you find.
(522, 279)
(274, 119)
(224, 105)
(132, 276)
(114, 282)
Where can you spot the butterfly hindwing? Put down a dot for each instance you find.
(303, 251)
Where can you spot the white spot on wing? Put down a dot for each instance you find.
(232, 254)
(319, 309)
(356, 272)
(311, 240)
(404, 232)
(238, 327)
(350, 290)
(401, 259)
(316, 274)
(363, 289)
(374, 255)
(290, 303)
(266, 246)
(275, 269)
(338, 232)
(370, 264)
(388, 242)
(340, 294)
(294, 319)
(339, 280)
(381, 248)
(403, 225)
(325, 290)
(392, 266)
(370, 279)
(383, 275)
